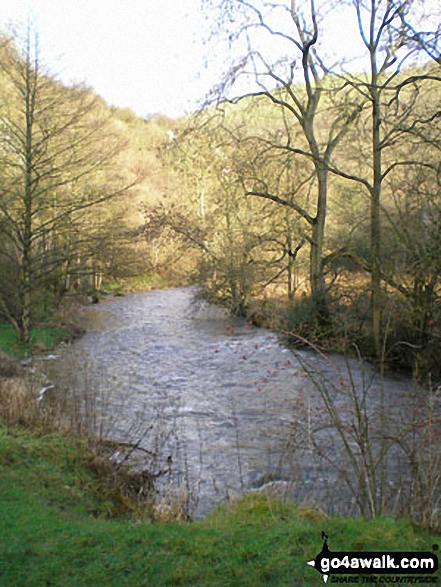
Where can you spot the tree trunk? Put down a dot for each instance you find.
(26, 279)
(290, 266)
(375, 212)
(317, 277)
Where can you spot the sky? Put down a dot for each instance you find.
(147, 55)
(142, 54)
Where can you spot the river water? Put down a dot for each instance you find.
(215, 405)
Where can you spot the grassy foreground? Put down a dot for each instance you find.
(57, 527)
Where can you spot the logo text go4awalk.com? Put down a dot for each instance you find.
(397, 568)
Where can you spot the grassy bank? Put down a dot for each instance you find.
(59, 526)
(42, 338)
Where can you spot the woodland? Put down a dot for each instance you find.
(309, 202)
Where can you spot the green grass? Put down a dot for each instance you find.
(43, 337)
(55, 530)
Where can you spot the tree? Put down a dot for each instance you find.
(208, 215)
(388, 50)
(55, 147)
(425, 40)
(294, 30)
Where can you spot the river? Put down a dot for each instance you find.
(216, 405)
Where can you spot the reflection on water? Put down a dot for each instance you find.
(220, 403)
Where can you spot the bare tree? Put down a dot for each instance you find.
(264, 29)
(390, 54)
(427, 40)
(54, 147)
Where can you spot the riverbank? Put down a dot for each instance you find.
(70, 320)
(43, 338)
(58, 527)
(410, 346)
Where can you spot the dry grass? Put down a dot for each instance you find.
(9, 367)
(17, 393)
